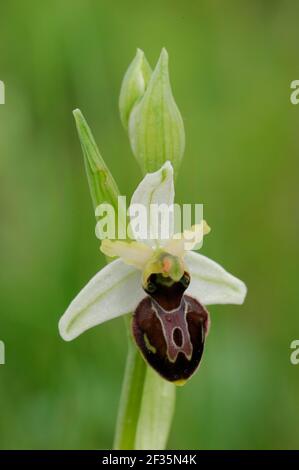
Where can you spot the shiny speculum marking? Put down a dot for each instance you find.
(175, 330)
(170, 329)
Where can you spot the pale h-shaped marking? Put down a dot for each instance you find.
(170, 321)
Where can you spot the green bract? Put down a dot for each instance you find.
(102, 185)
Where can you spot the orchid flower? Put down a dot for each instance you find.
(166, 286)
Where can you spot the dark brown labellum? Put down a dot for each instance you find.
(170, 329)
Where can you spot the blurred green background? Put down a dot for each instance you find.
(231, 64)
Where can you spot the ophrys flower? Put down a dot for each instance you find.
(165, 284)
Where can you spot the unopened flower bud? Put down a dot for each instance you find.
(133, 86)
(156, 129)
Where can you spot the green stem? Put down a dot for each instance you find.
(156, 412)
(130, 401)
(146, 406)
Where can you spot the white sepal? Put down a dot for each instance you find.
(211, 284)
(155, 190)
(112, 292)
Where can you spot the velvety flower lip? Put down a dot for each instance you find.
(156, 270)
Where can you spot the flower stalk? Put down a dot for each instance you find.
(156, 133)
(103, 188)
(131, 397)
(147, 401)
